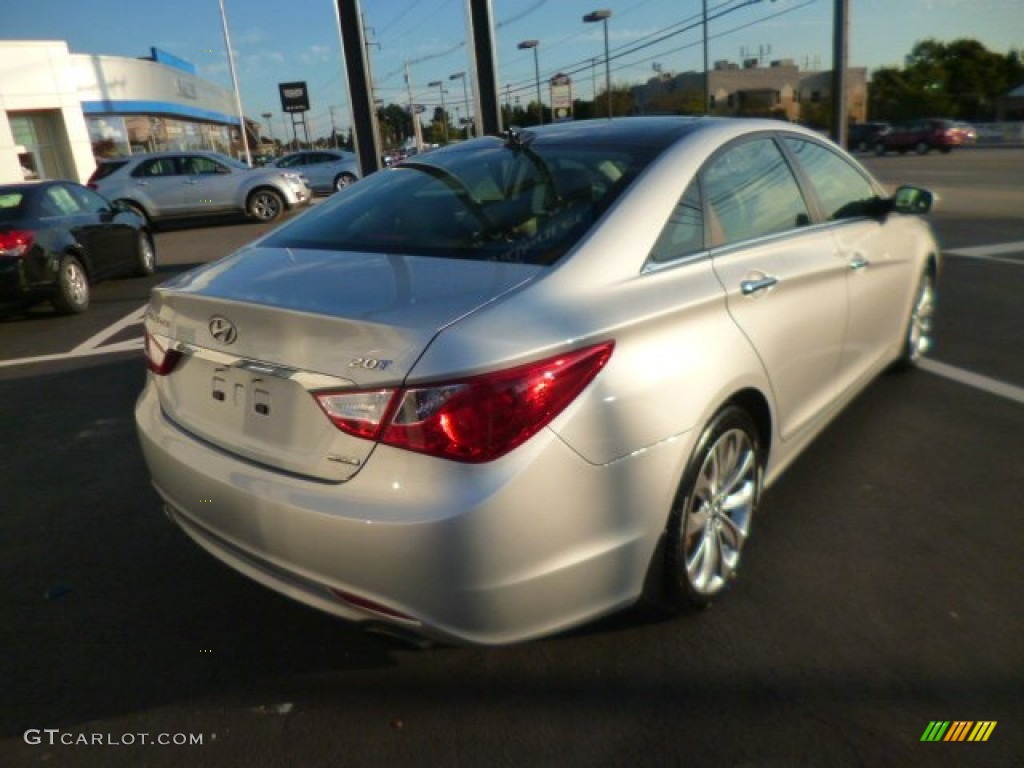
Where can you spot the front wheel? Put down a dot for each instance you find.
(921, 148)
(145, 257)
(879, 149)
(917, 339)
(265, 205)
(72, 295)
(713, 511)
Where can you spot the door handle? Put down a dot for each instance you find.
(859, 262)
(753, 286)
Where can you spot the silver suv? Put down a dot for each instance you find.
(166, 185)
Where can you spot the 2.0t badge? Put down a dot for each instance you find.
(223, 330)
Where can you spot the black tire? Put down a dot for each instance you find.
(145, 255)
(879, 149)
(705, 536)
(72, 295)
(917, 333)
(265, 204)
(343, 180)
(922, 148)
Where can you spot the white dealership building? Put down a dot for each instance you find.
(60, 111)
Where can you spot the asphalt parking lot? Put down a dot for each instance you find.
(881, 591)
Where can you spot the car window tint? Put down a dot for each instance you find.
(11, 205)
(752, 192)
(197, 165)
(290, 162)
(88, 200)
(160, 166)
(521, 205)
(683, 235)
(58, 201)
(842, 190)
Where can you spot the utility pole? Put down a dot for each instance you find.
(334, 130)
(840, 46)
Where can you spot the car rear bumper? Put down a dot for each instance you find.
(535, 542)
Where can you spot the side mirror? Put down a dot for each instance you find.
(913, 200)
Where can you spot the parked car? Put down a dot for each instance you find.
(167, 185)
(921, 136)
(863, 136)
(327, 170)
(516, 384)
(58, 238)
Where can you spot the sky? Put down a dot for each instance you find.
(278, 41)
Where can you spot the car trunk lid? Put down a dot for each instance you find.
(261, 330)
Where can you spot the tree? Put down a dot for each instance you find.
(958, 79)
(395, 124)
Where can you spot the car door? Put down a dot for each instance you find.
(160, 185)
(211, 186)
(877, 251)
(784, 279)
(119, 239)
(61, 210)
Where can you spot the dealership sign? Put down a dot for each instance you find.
(294, 97)
(561, 97)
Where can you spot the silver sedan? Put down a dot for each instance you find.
(325, 170)
(524, 382)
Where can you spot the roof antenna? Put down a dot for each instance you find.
(514, 137)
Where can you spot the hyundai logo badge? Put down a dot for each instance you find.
(223, 330)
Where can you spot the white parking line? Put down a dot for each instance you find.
(990, 252)
(93, 345)
(110, 331)
(992, 386)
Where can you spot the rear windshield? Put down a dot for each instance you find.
(105, 169)
(488, 202)
(10, 205)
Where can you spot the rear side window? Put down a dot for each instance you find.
(752, 193)
(159, 166)
(842, 190)
(683, 235)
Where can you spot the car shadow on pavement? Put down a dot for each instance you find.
(110, 609)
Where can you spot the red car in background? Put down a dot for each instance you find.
(922, 136)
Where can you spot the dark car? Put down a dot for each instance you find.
(57, 238)
(921, 136)
(863, 136)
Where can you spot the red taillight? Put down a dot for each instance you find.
(15, 243)
(472, 420)
(160, 358)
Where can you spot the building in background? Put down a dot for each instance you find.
(60, 112)
(781, 90)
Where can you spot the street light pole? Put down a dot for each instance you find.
(535, 44)
(444, 114)
(234, 82)
(603, 15)
(465, 96)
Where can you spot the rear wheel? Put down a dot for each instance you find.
(72, 295)
(265, 205)
(879, 149)
(343, 180)
(713, 511)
